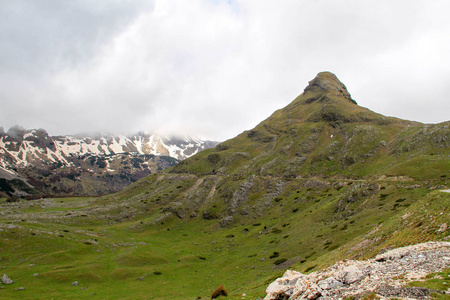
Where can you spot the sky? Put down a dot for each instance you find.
(214, 68)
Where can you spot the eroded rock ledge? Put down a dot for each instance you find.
(385, 275)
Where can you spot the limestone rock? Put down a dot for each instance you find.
(283, 286)
(329, 283)
(327, 81)
(443, 227)
(306, 289)
(384, 275)
(391, 255)
(6, 279)
(350, 274)
(225, 222)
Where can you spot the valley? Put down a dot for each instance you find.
(137, 240)
(319, 181)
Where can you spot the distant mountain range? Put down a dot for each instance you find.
(33, 162)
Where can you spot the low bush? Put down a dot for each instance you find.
(220, 291)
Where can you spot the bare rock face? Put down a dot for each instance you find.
(328, 82)
(355, 278)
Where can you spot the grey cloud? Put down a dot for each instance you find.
(212, 68)
(37, 35)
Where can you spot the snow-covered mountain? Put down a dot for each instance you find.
(28, 154)
(21, 147)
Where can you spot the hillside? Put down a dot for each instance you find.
(320, 180)
(324, 133)
(32, 162)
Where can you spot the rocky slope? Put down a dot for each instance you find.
(384, 275)
(32, 160)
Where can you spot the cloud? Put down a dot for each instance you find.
(43, 35)
(214, 68)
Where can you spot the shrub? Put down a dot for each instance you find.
(220, 291)
(309, 268)
(275, 254)
(213, 158)
(332, 247)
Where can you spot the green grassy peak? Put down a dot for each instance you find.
(324, 133)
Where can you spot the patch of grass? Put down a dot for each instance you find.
(436, 281)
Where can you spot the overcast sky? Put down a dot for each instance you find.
(214, 68)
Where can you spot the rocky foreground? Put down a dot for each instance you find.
(384, 275)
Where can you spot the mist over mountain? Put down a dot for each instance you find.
(77, 164)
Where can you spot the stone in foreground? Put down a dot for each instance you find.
(354, 278)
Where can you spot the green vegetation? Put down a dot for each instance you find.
(319, 181)
(128, 245)
(437, 281)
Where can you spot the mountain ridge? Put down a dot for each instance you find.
(119, 159)
(324, 132)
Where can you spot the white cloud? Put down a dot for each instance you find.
(216, 68)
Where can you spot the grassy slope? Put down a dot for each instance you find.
(320, 180)
(108, 253)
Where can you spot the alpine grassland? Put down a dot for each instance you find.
(320, 180)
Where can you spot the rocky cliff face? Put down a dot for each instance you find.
(72, 164)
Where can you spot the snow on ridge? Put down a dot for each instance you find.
(138, 144)
(29, 134)
(115, 146)
(25, 152)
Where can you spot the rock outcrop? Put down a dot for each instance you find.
(385, 275)
(328, 82)
(6, 279)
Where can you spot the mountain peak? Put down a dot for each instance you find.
(327, 82)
